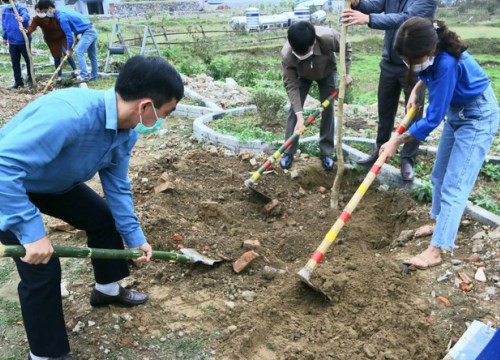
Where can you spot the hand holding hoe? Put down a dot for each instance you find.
(249, 183)
(306, 272)
(189, 255)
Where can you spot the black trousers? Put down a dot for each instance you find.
(393, 79)
(40, 290)
(15, 57)
(327, 126)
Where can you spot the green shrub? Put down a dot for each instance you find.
(269, 102)
(423, 192)
(221, 67)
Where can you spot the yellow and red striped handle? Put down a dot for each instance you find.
(330, 237)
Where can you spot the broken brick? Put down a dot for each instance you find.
(270, 206)
(244, 260)
(176, 237)
(164, 187)
(443, 301)
(465, 278)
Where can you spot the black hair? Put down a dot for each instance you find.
(301, 36)
(45, 4)
(152, 77)
(418, 36)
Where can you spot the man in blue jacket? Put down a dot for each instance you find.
(13, 36)
(75, 24)
(388, 15)
(47, 153)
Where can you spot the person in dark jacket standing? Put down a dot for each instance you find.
(308, 56)
(388, 15)
(13, 36)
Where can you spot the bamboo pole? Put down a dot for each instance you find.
(93, 253)
(26, 42)
(334, 198)
(318, 255)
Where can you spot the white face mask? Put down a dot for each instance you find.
(303, 57)
(41, 15)
(423, 66)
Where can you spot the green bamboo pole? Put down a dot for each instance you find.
(93, 253)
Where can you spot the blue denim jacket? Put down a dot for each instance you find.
(10, 25)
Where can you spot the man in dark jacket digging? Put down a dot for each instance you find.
(388, 15)
(308, 56)
(47, 153)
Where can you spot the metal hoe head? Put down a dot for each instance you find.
(261, 196)
(195, 257)
(305, 276)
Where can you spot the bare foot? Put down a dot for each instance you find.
(428, 258)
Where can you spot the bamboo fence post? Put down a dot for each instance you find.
(334, 199)
(26, 42)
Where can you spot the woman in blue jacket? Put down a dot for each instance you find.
(13, 36)
(459, 89)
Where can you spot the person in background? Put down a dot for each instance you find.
(14, 38)
(307, 56)
(460, 90)
(47, 153)
(388, 15)
(54, 37)
(75, 24)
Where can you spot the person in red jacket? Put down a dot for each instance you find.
(53, 36)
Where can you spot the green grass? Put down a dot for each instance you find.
(10, 313)
(5, 271)
(244, 128)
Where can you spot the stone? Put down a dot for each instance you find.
(480, 275)
(269, 273)
(456, 261)
(425, 230)
(251, 244)
(248, 295)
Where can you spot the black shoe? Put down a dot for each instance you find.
(370, 160)
(30, 85)
(286, 161)
(15, 86)
(327, 162)
(125, 297)
(407, 172)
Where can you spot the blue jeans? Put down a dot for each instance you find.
(88, 44)
(465, 141)
(57, 62)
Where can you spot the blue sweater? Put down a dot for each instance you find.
(71, 23)
(450, 82)
(388, 15)
(10, 25)
(58, 141)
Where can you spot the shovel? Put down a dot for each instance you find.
(305, 273)
(249, 183)
(189, 255)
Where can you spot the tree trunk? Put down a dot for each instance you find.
(334, 199)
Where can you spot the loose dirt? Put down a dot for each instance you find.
(202, 312)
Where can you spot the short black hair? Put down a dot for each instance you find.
(301, 36)
(149, 76)
(45, 4)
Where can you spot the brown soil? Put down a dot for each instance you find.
(202, 312)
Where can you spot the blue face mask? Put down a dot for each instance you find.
(50, 14)
(144, 130)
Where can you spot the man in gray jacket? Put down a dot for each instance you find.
(308, 56)
(388, 15)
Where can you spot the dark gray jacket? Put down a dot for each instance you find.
(388, 15)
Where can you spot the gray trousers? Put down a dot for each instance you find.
(393, 79)
(327, 126)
